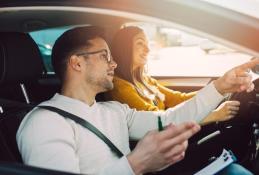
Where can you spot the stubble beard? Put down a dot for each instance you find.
(102, 85)
(107, 85)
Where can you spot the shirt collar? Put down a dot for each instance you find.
(71, 105)
(70, 100)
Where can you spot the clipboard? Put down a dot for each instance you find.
(225, 159)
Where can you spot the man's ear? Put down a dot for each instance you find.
(75, 63)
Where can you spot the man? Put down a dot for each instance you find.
(82, 60)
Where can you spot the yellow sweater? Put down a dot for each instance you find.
(125, 92)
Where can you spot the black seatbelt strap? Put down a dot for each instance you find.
(87, 125)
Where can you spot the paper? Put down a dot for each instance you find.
(225, 159)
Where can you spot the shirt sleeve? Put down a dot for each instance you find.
(194, 109)
(121, 166)
(47, 140)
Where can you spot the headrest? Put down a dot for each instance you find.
(20, 58)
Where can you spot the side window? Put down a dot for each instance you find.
(45, 40)
(176, 53)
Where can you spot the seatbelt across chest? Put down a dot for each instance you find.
(85, 124)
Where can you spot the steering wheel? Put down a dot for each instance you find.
(248, 105)
(235, 134)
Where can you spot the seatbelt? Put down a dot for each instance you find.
(85, 124)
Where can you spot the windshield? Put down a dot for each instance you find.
(248, 7)
(176, 53)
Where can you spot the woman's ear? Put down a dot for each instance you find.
(75, 63)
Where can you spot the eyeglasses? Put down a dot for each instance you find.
(105, 55)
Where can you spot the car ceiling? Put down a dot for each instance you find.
(227, 27)
(31, 20)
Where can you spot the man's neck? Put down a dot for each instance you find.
(84, 94)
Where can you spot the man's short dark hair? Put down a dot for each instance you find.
(71, 42)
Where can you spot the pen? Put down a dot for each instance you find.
(160, 125)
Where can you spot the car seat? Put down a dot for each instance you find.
(20, 64)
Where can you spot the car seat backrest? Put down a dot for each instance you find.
(20, 59)
(9, 124)
(20, 63)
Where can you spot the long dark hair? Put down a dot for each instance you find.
(122, 52)
(122, 49)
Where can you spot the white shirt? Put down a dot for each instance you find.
(48, 140)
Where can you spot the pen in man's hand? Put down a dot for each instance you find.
(160, 125)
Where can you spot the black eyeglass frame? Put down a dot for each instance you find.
(108, 55)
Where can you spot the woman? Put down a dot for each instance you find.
(133, 86)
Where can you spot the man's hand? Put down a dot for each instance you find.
(237, 79)
(160, 149)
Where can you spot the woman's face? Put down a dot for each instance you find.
(140, 50)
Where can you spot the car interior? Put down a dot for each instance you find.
(25, 82)
(24, 79)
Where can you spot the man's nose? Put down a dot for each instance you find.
(113, 64)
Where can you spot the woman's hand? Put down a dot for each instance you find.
(237, 79)
(225, 111)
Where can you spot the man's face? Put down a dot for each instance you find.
(99, 67)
